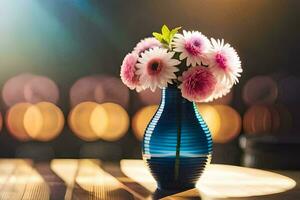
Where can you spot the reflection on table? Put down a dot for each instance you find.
(92, 179)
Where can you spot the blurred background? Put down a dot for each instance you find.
(59, 74)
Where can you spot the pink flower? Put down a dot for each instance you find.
(192, 46)
(157, 68)
(146, 44)
(219, 91)
(128, 70)
(198, 83)
(224, 62)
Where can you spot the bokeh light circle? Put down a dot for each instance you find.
(15, 121)
(141, 119)
(33, 121)
(260, 90)
(98, 126)
(111, 90)
(79, 121)
(223, 121)
(52, 122)
(42, 121)
(148, 97)
(211, 117)
(41, 88)
(267, 119)
(83, 90)
(230, 124)
(29, 88)
(100, 89)
(91, 121)
(257, 120)
(13, 89)
(116, 125)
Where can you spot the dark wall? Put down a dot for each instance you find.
(82, 37)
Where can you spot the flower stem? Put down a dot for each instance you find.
(177, 160)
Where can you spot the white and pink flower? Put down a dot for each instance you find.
(192, 46)
(146, 44)
(224, 63)
(157, 68)
(128, 72)
(198, 84)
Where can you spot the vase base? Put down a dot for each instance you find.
(161, 193)
(190, 170)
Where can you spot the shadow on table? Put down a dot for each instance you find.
(174, 194)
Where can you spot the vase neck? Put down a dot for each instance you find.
(172, 95)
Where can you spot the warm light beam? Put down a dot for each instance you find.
(219, 181)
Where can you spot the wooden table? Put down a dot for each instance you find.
(82, 179)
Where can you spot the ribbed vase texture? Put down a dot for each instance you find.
(175, 117)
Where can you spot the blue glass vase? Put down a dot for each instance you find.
(177, 144)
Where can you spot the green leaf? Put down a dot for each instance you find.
(165, 30)
(173, 32)
(166, 33)
(158, 36)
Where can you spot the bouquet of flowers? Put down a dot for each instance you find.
(202, 69)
